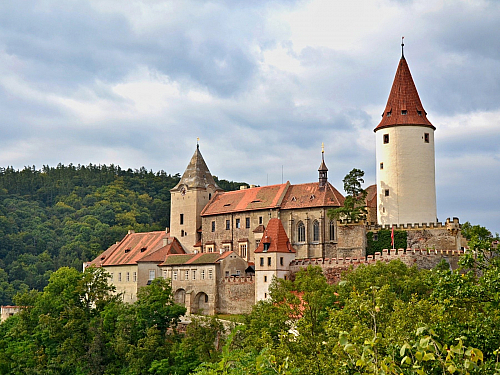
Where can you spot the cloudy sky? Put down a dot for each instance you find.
(261, 83)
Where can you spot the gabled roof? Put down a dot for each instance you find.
(276, 238)
(200, 258)
(312, 195)
(258, 198)
(131, 248)
(197, 174)
(103, 256)
(403, 98)
(159, 255)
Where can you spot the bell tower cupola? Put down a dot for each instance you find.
(323, 170)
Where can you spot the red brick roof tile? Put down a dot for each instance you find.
(276, 237)
(131, 248)
(258, 198)
(159, 255)
(312, 195)
(403, 98)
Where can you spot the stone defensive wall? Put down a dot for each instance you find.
(421, 258)
(236, 295)
(449, 225)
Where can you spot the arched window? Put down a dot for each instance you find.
(331, 228)
(301, 232)
(315, 231)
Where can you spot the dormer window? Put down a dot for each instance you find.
(127, 251)
(266, 246)
(404, 112)
(389, 114)
(419, 113)
(143, 249)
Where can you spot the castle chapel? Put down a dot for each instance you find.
(224, 248)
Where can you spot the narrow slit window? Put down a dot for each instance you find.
(386, 192)
(426, 137)
(381, 165)
(386, 138)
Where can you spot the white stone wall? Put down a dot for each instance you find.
(264, 273)
(408, 173)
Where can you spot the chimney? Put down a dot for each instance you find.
(131, 231)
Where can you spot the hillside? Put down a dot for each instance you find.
(66, 215)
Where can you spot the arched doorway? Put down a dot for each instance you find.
(201, 304)
(180, 297)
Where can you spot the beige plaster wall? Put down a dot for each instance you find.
(128, 289)
(408, 174)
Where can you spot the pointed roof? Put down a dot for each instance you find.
(276, 237)
(158, 256)
(403, 106)
(197, 174)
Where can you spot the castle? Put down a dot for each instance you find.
(224, 248)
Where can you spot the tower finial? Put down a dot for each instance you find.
(322, 151)
(197, 142)
(402, 47)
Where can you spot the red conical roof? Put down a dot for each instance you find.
(404, 106)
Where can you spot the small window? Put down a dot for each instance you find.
(203, 274)
(213, 226)
(331, 228)
(315, 231)
(404, 112)
(238, 224)
(175, 275)
(181, 219)
(247, 222)
(209, 248)
(419, 113)
(206, 298)
(269, 261)
(111, 276)
(164, 274)
(151, 274)
(381, 165)
(238, 273)
(257, 243)
(210, 274)
(228, 225)
(128, 276)
(227, 273)
(261, 262)
(266, 246)
(389, 114)
(265, 295)
(386, 138)
(119, 276)
(265, 279)
(375, 236)
(281, 261)
(260, 220)
(209, 196)
(426, 137)
(243, 250)
(186, 275)
(386, 192)
(194, 274)
(182, 233)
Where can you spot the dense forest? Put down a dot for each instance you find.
(379, 319)
(66, 215)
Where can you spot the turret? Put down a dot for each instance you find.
(406, 188)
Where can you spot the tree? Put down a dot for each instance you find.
(354, 208)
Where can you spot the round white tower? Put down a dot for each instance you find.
(406, 187)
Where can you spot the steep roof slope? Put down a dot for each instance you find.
(312, 195)
(258, 198)
(159, 255)
(403, 106)
(274, 239)
(131, 248)
(197, 174)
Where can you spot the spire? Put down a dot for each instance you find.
(403, 106)
(323, 170)
(197, 174)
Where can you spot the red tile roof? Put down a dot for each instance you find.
(97, 262)
(404, 97)
(276, 237)
(258, 198)
(159, 255)
(312, 195)
(131, 248)
(371, 196)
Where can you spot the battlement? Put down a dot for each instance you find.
(386, 255)
(450, 224)
(238, 279)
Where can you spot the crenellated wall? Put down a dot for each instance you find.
(236, 295)
(421, 258)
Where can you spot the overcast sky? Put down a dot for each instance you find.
(261, 83)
